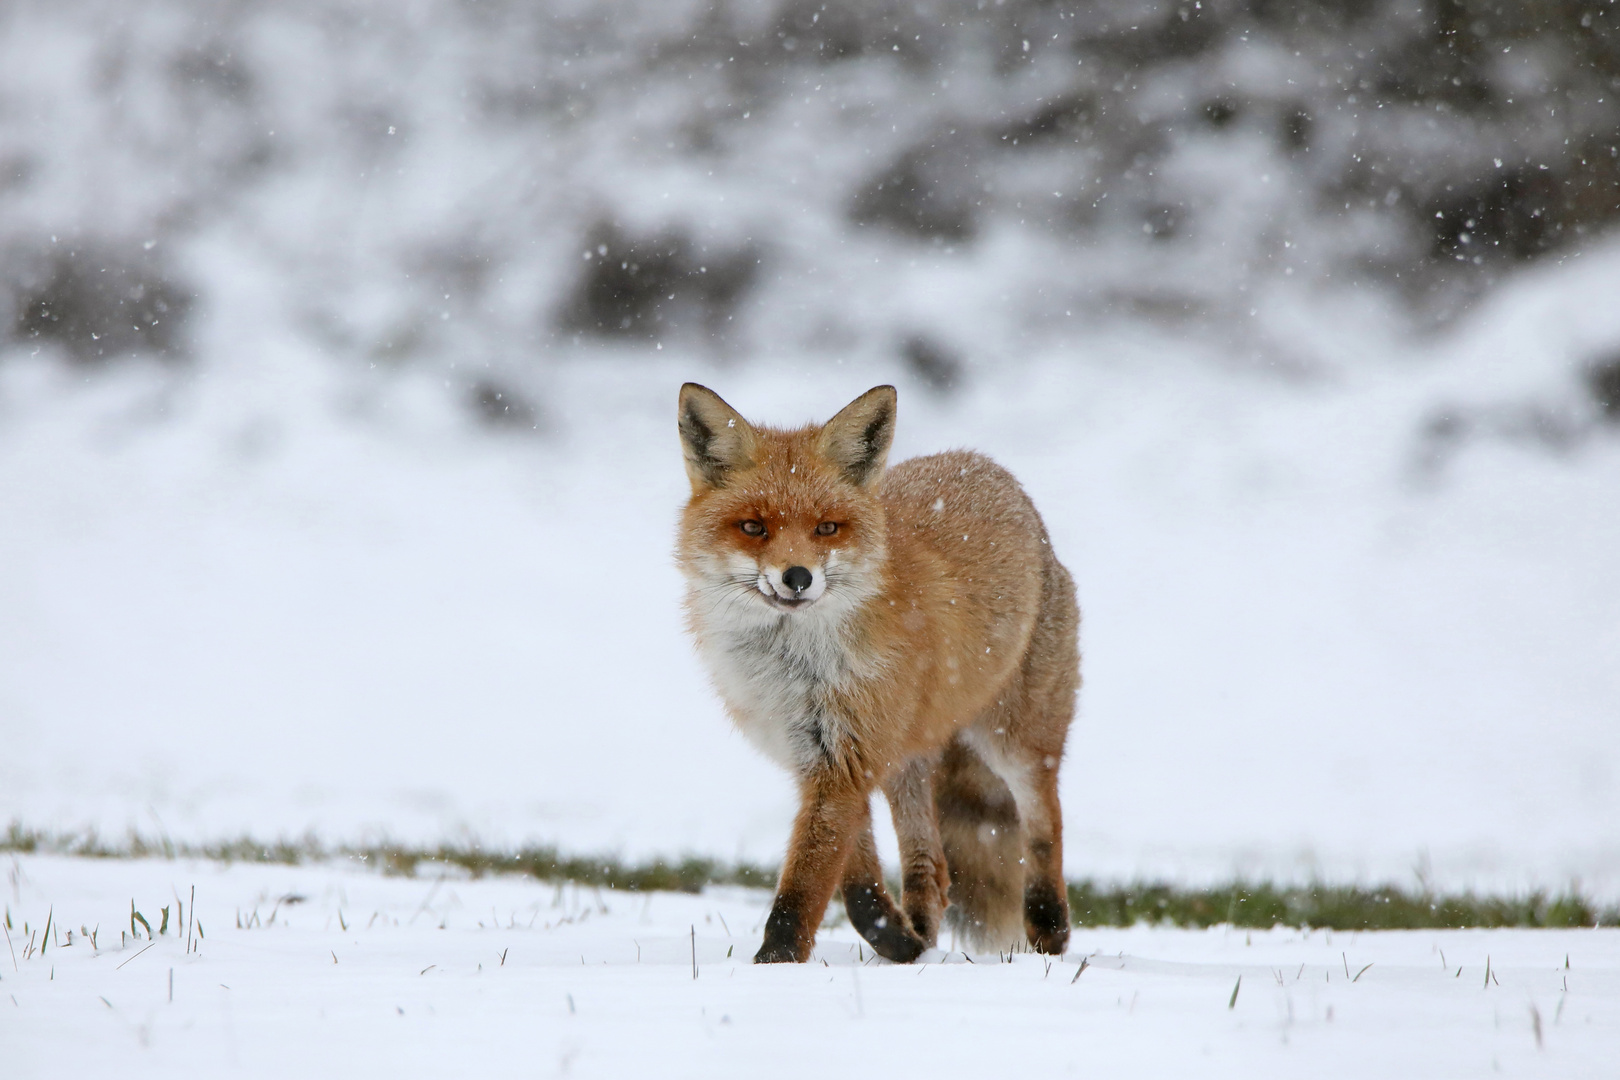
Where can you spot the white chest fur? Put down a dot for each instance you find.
(777, 676)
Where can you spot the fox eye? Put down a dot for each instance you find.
(826, 528)
(752, 527)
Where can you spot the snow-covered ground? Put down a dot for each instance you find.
(344, 972)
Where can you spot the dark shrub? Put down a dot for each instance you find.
(931, 191)
(499, 406)
(655, 286)
(98, 302)
(935, 364)
(1603, 380)
(1527, 210)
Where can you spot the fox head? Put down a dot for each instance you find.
(783, 523)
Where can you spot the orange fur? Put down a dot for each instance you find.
(858, 621)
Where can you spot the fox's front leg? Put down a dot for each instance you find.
(872, 911)
(824, 834)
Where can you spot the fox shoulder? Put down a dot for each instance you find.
(961, 491)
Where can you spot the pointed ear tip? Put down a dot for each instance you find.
(696, 395)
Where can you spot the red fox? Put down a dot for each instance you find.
(907, 629)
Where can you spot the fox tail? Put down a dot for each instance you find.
(978, 823)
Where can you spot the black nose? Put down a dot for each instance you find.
(797, 578)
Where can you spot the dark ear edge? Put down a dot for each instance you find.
(715, 439)
(857, 440)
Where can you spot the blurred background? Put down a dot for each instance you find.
(339, 343)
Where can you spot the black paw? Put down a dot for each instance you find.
(876, 919)
(776, 953)
(898, 945)
(1046, 918)
(1050, 942)
(784, 943)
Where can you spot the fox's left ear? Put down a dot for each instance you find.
(857, 439)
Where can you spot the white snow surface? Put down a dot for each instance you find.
(344, 972)
(275, 595)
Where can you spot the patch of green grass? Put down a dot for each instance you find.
(1335, 907)
(1091, 903)
(688, 874)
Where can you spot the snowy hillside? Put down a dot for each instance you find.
(338, 474)
(248, 599)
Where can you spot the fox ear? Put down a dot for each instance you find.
(714, 437)
(857, 439)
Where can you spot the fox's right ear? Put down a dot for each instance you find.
(714, 437)
(857, 439)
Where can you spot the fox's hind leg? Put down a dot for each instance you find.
(871, 910)
(1032, 780)
(1046, 894)
(924, 878)
(1022, 738)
